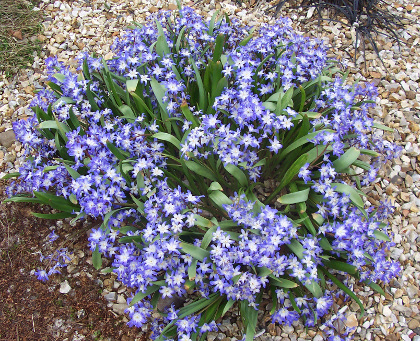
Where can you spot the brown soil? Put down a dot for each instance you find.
(34, 310)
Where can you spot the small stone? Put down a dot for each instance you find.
(352, 321)
(153, 9)
(121, 299)
(409, 7)
(375, 74)
(80, 314)
(59, 38)
(413, 324)
(112, 296)
(386, 311)
(172, 7)
(7, 138)
(41, 38)
(397, 180)
(119, 308)
(414, 127)
(398, 293)
(29, 90)
(65, 287)
(410, 94)
(412, 291)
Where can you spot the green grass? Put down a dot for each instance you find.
(18, 20)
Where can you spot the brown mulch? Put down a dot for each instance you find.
(34, 310)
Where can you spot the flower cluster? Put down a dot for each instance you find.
(168, 145)
(53, 262)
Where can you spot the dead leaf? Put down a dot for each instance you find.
(17, 34)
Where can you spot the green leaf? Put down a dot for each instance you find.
(194, 251)
(200, 170)
(140, 295)
(264, 271)
(341, 266)
(220, 199)
(96, 259)
(375, 287)
(225, 309)
(215, 186)
(127, 112)
(205, 242)
(282, 282)
(296, 247)
(301, 141)
(120, 154)
(168, 138)
(11, 175)
(56, 202)
(238, 174)
(180, 38)
(202, 222)
(288, 176)
(108, 270)
(293, 198)
(339, 284)
(74, 174)
(369, 152)
(247, 38)
(198, 305)
(54, 125)
(249, 317)
(346, 189)
(189, 115)
(382, 127)
(202, 93)
(381, 236)
(314, 288)
(159, 90)
(60, 215)
(131, 85)
(346, 159)
(23, 199)
(218, 49)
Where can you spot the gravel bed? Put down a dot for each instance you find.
(75, 26)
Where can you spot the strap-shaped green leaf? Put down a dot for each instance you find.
(293, 198)
(381, 236)
(341, 266)
(282, 282)
(60, 215)
(303, 140)
(339, 284)
(296, 247)
(140, 295)
(288, 176)
(23, 199)
(347, 159)
(168, 138)
(96, 259)
(198, 305)
(238, 174)
(73, 173)
(382, 127)
(56, 202)
(220, 198)
(195, 251)
(12, 175)
(354, 193)
(120, 154)
(200, 170)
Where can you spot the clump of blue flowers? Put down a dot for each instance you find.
(223, 162)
